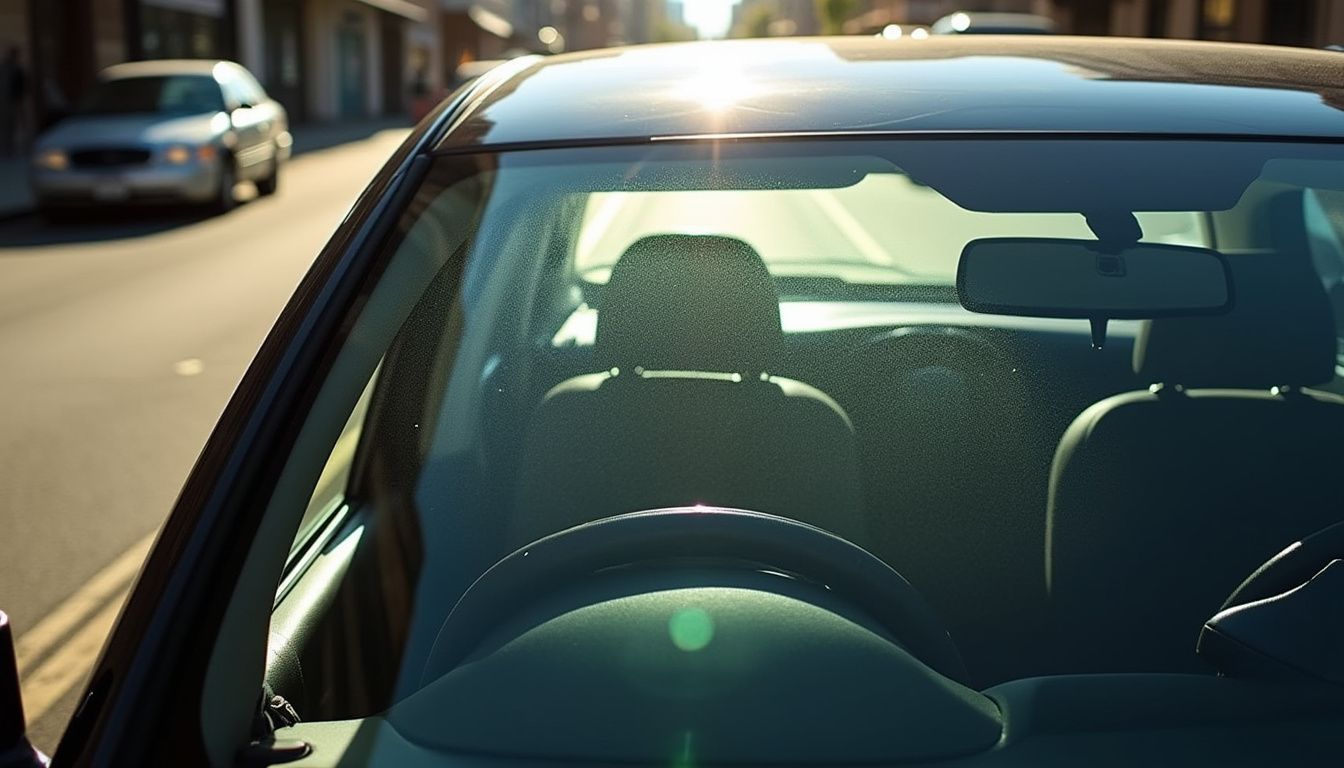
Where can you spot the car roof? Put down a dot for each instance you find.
(868, 85)
(162, 67)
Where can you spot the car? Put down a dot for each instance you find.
(162, 132)
(969, 401)
(993, 23)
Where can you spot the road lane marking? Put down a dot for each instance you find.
(854, 231)
(596, 224)
(192, 366)
(70, 665)
(59, 650)
(60, 622)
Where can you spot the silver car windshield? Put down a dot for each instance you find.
(170, 94)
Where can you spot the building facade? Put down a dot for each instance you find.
(879, 13)
(1309, 23)
(587, 24)
(339, 59)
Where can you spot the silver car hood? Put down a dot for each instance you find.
(133, 130)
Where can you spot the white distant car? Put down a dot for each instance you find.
(981, 23)
(168, 131)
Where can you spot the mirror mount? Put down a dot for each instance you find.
(15, 749)
(1116, 230)
(1098, 328)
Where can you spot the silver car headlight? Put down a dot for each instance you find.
(52, 159)
(182, 154)
(178, 154)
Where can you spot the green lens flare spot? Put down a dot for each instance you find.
(691, 629)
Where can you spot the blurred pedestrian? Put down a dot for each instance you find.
(13, 90)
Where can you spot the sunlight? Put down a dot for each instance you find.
(711, 18)
(717, 87)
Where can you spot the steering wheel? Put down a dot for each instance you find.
(754, 540)
(940, 357)
(963, 342)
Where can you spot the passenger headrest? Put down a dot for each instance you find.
(1280, 330)
(689, 302)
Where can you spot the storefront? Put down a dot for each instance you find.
(357, 59)
(473, 32)
(282, 71)
(69, 42)
(1308, 23)
(16, 81)
(182, 29)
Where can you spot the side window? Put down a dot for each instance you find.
(189, 94)
(1323, 218)
(1323, 215)
(330, 492)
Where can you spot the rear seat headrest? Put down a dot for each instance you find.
(689, 302)
(1280, 330)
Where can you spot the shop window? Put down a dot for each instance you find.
(1217, 19)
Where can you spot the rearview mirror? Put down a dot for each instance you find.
(1045, 277)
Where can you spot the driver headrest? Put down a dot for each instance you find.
(1280, 330)
(689, 302)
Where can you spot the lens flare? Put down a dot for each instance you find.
(691, 629)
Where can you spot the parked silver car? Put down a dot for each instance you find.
(163, 132)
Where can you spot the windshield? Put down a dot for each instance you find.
(167, 94)
(565, 336)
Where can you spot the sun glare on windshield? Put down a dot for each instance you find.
(692, 629)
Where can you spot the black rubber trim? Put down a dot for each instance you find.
(586, 142)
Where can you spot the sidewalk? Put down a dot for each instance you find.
(311, 137)
(16, 200)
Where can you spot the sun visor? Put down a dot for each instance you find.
(1306, 172)
(706, 167)
(1075, 176)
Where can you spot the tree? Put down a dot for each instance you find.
(755, 22)
(832, 14)
(668, 31)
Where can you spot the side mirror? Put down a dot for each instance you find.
(233, 111)
(15, 749)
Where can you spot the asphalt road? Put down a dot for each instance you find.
(120, 342)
